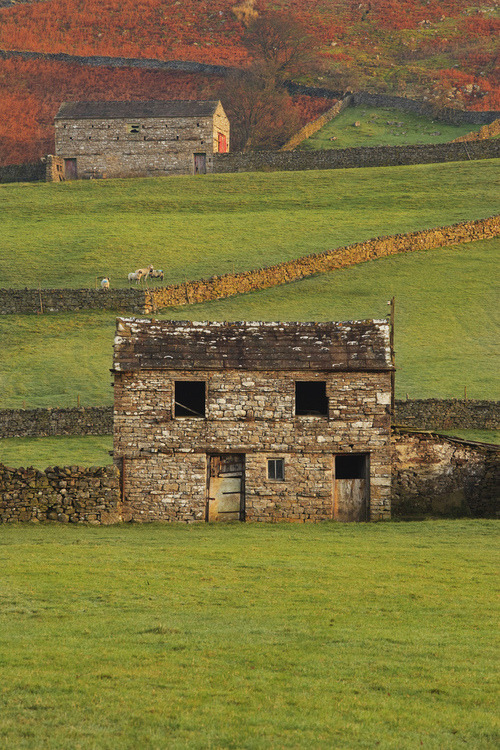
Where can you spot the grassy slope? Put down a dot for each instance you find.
(382, 127)
(56, 451)
(445, 327)
(249, 636)
(65, 234)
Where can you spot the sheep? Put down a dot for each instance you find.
(144, 272)
(156, 274)
(105, 283)
(136, 276)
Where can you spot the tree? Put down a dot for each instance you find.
(279, 45)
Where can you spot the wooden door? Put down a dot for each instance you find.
(351, 487)
(200, 163)
(222, 143)
(226, 483)
(70, 172)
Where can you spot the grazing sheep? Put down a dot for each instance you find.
(136, 276)
(105, 283)
(156, 274)
(144, 272)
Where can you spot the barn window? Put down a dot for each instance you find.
(310, 398)
(133, 127)
(276, 468)
(189, 398)
(350, 466)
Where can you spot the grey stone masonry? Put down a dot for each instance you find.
(249, 374)
(125, 139)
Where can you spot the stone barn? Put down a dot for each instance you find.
(253, 421)
(137, 139)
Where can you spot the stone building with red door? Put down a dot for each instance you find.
(253, 421)
(139, 139)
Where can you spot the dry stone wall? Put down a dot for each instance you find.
(71, 494)
(312, 127)
(47, 169)
(90, 420)
(15, 301)
(487, 131)
(434, 475)
(351, 158)
(445, 414)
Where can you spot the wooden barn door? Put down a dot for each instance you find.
(70, 172)
(200, 163)
(226, 482)
(351, 489)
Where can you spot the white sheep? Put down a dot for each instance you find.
(105, 283)
(136, 276)
(156, 274)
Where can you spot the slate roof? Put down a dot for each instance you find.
(134, 110)
(352, 345)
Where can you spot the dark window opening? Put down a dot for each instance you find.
(189, 398)
(310, 398)
(350, 466)
(276, 468)
(176, 137)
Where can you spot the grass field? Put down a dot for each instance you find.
(446, 303)
(243, 636)
(67, 234)
(381, 126)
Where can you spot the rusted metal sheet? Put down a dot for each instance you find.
(350, 500)
(225, 488)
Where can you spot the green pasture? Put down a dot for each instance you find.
(250, 636)
(382, 126)
(63, 450)
(446, 328)
(70, 234)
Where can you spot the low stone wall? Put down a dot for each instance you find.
(15, 301)
(353, 158)
(71, 494)
(487, 131)
(312, 127)
(445, 414)
(147, 301)
(90, 420)
(47, 169)
(434, 475)
(219, 287)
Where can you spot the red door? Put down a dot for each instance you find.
(222, 144)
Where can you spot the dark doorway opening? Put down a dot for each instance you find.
(350, 467)
(189, 398)
(352, 487)
(310, 398)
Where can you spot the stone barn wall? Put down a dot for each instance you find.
(435, 475)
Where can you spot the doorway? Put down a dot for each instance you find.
(226, 485)
(200, 163)
(70, 172)
(351, 490)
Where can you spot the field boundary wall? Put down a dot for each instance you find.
(312, 127)
(423, 414)
(144, 302)
(492, 130)
(354, 158)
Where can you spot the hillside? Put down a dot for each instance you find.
(444, 50)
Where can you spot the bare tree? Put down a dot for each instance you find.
(279, 45)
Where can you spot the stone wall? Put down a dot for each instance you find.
(445, 414)
(350, 158)
(147, 301)
(487, 131)
(71, 494)
(434, 475)
(47, 169)
(15, 301)
(164, 458)
(312, 127)
(421, 107)
(90, 420)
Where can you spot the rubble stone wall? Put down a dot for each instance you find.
(351, 158)
(164, 457)
(312, 127)
(434, 475)
(89, 420)
(71, 494)
(445, 414)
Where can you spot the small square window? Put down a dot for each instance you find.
(189, 398)
(133, 127)
(310, 398)
(276, 468)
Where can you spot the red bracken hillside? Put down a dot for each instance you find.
(445, 50)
